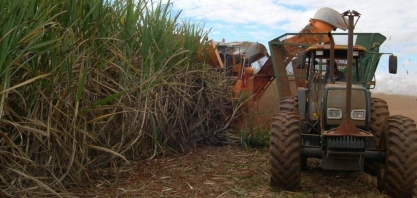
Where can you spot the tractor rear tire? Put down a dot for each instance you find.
(397, 176)
(285, 150)
(379, 112)
(289, 104)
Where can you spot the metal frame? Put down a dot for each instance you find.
(371, 41)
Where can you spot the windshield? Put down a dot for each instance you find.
(319, 68)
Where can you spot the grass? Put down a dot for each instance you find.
(90, 86)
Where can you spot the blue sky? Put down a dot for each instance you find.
(264, 20)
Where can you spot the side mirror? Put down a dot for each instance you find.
(392, 65)
(301, 60)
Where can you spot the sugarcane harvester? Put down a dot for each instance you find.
(338, 122)
(237, 59)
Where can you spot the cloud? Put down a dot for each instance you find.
(401, 83)
(265, 13)
(407, 62)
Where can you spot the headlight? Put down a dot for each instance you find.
(358, 114)
(334, 113)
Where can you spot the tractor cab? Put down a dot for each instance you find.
(325, 91)
(316, 61)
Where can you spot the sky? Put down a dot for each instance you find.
(264, 20)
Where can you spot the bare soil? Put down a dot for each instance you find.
(405, 105)
(227, 171)
(230, 171)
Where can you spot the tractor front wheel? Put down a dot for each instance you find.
(284, 149)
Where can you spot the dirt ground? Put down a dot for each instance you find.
(228, 171)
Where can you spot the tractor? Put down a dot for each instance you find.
(337, 121)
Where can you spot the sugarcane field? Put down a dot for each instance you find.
(129, 98)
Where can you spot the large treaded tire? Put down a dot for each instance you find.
(379, 112)
(289, 104)
(397, 176)
(284, 150)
